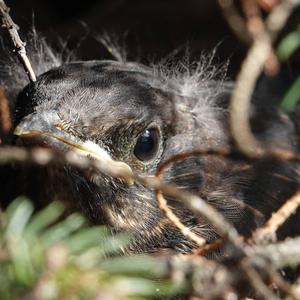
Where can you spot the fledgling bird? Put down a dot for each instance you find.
(143, 116)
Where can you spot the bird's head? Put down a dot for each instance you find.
(140, 118)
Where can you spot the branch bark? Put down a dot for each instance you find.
(19, 45)
(246, 80)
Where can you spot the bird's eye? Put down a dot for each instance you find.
(147, 144)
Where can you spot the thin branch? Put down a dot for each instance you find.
(240, 101)
(279, 16)
(217, 244)
(268, 5)
(220, 152)
(246, 80)
(261, 262)
(268, 231)
(256, 281)
(285, 286)
(254, 21)
(279, 255)
(202, 273)
(19, 45)
(256, 26)
(162, 204)
(235, 20)
(197, 205)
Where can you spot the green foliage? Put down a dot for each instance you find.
(292, 97)
(44, 258)
(289, 44)
(286, 48)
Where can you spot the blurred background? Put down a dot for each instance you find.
(151, 30)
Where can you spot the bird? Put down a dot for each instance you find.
(142, 116)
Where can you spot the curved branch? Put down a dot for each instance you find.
(245, 84)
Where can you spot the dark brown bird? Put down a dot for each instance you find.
(143, 116)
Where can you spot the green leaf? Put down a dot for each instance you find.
(18, 215)
(62, 230)
(84, 270)
(44, 218)
(292, 97)
(112, 244)
(133, 265)
(133, 286)
(84, 239)
(288, 45)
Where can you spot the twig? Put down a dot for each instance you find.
(254, 21)
(197, 206)
(240, 101)
(279, 16)
(256, 281)
(268, 5)
(209, 279)
(162, 204)
(251, 68)
(208, 248)
(285, 286)
(274, 23)
(235, 20)
(19, 45)
(261, 261)
(268, 231)
(43, 156)
(279, 255)
(296, 287)
(220, 152)
(4, 112)
(256, 26)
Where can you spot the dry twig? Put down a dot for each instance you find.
(256, 281)
(19, 45)
(256, 26)
(235, 20)
(285, 286)
(268, 231)
(208, 248)
(254, 21)
(278, 255)
(162, 204)
(281, 254)
(268, 5)
(199, 206)
(245, 84)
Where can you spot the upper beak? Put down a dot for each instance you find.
(46, 128)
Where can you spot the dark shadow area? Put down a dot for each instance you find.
(151, 30)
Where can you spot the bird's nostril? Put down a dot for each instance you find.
(58, 126)
(32, 142)
(44, 144)
(62, 125)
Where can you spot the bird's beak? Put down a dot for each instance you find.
(46, 129)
